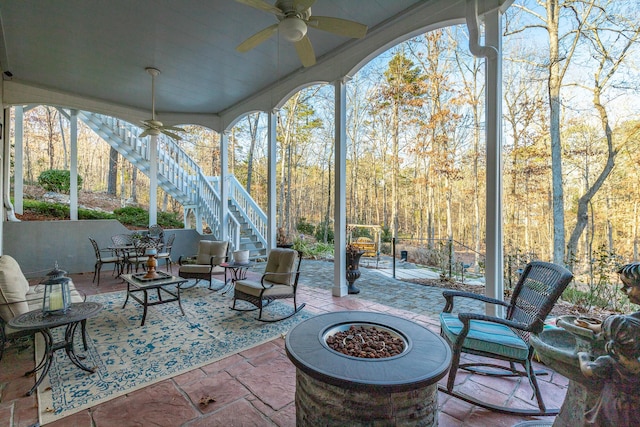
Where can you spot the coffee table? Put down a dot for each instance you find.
(38, 321)
(136, 283)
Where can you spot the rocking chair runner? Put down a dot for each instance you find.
(535, 294)
(279, 281)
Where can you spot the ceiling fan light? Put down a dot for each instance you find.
(292, 29)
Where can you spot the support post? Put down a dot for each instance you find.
(492, 52)
(340, 213)
(271, 180)
(224, 187)
(18, 168)
(153, 180)
(73, 166)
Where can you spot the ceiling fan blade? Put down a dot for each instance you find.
(302, 5)
(262, 5)
(257, 38)
(173, 128)
(341, 27)
(305, 52)
(171, 134)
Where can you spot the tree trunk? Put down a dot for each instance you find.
(112, 182)
(555, 82)
(65, 154)
(253, 131)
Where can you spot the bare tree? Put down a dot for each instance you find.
(610, 55)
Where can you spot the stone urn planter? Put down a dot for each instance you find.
(353, 267)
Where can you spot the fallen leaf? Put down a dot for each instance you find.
(204, 401)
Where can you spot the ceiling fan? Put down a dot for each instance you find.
(154, 127)
(294, 18)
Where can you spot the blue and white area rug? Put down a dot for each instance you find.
(129, 356)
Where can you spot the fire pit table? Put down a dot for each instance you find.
(334, 388)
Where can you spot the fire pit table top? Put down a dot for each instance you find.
(426, 359)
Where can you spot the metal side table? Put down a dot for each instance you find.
(37, 321)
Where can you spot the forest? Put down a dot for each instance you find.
(416, 146)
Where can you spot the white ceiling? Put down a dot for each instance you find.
(98, 50)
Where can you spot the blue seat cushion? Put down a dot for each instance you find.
(487, 337)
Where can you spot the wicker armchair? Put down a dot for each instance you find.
(279, 281)
(507, 339)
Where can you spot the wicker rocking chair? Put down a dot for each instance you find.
(279, 281)
(507, 339)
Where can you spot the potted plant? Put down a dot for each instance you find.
(353, 266)
(282, 239)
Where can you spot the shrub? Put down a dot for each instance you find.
(313, 250)
(305, 227)
(169, 220)
(58, 210)
(138, 217)
(57, 180)
(132, 215)
(319, 235)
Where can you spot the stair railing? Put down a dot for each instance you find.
(249, 210)
(180, 176)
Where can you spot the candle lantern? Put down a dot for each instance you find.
(57, 295)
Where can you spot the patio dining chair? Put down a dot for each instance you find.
(156, 232)
(103, 256)
(138, 256)
(506, 339)
(279, 281)
(166, 253)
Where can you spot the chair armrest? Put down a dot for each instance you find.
(449, 295)
(466, 318)
(291, 274)
(214, 264)
(187, 259)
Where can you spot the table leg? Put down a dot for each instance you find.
(179, 300)
(83, 331)
(68, 347)
(127, 298)
(45, 363)
(146, 303)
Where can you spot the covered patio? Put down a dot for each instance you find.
(247, 393)
(100, 67)
(85, 56)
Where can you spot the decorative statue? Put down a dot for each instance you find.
(619, 369)
(630, 277)
(619, 401)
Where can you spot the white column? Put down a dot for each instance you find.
(153, 179)
(224, 184)
(73, 166)
(340, 214)
(18, 167)
(8, 211)
(272, 151)
(495, 259)
(492, 52)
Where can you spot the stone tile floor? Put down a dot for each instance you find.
(257, 387)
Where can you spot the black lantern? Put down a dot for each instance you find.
(57, 295)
